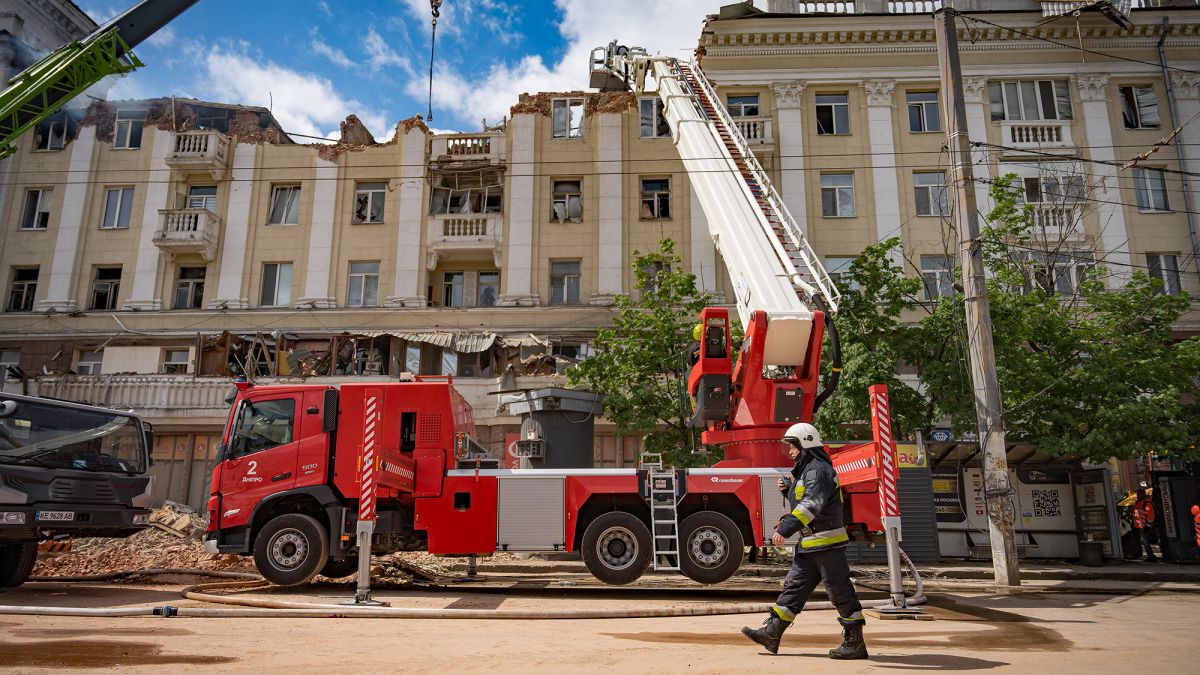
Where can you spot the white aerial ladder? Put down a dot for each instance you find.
(771, 265)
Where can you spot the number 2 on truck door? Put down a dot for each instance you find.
(261, 456)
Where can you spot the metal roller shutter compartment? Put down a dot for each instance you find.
(918, 522)
(529, 513)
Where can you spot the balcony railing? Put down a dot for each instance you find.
(203, 150)
(1039, 135)
(189, 231)
(470, 234)
(757, 130)
(1057, 222)
(467, 147)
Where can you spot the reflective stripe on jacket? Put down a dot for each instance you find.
(1143, 512)
(815, 496)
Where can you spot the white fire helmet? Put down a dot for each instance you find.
(803, 434)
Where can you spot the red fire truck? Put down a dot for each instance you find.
(302, 467)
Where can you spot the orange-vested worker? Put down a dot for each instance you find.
(1143, 522)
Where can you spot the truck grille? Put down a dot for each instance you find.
(429, 430)
(64, 489)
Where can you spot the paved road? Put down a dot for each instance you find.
(1049, 632)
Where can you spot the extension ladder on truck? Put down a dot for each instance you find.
(664, 521)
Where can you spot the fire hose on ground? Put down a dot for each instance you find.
(257, 608)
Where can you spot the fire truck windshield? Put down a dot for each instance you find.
(67, 437)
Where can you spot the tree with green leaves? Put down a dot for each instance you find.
(639, 364)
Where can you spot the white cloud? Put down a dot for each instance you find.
(668, 27)
(303, 103)
(381, 54)
(324, 7)
(335, 56)
(163, 37)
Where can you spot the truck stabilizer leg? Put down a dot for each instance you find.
(362, 595)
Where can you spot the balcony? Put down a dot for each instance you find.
(464, 237)
(189, 231)
(482, 148)
(1057, 223)
(202, 151)
(1041, 136)
(757, 130)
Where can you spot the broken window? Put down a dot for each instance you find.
(837, 195)
(285, 205)
(489, 289)
(468, 192)
(89, 361)
(833, 113)
(930, 192)
(213, 118)
(51, 133)
(176, 361)
(653, 270)
(1150, 189)
(923, 113)
(202, 197)
(118, 207)
(127, 134)
(22, 289)
(363, 289)
(37, 210)
(276, 285)
(1164, 267)
(568, 117)
(1030, 100)
(1139, 107)
(656, 198)
(653, 119)
(105, 287)
(564, 282)
(742, 106)
(368, 202)
(566, 201)
(937, 274)
(452, 289)
(189, 289)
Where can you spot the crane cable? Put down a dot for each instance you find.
(435, 6)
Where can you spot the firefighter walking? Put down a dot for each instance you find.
(815, 495)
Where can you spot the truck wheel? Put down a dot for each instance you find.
(337, 569)
(16, 562)
(616, 547)
(290, 549)
(712, 547)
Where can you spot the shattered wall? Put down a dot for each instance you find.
(609, 101)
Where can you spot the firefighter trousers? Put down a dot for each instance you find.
(811, 567)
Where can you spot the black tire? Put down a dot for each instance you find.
(712, 547)
(338, 569)
(616, 548)
(16, 562)
(291, 549)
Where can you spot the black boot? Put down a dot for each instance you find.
(768, 636)
(853, 646)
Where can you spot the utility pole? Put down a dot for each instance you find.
(988, 407)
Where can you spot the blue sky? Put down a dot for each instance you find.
(316, 61)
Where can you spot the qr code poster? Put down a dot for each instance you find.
(1046, 504)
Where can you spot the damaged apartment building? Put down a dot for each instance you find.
(160, 248)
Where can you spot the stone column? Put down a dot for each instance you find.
(978, 114)
(1114, 237)
(145, 271)
(232, 282)
(789, 129)
(408, 290)
(320, 239)
(883, 161)
(611, 248)
(60, 282)
(1187, 101)
(517, 279)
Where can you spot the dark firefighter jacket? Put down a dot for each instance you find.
(815, 496)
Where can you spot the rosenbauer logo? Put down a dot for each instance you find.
(718, 479)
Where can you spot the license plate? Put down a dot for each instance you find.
(56, 515)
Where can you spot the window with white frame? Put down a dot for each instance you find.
(106, 285)
(656, 199)
(176, 361)
(1164, 267)
(652, 119)
(745, 105)
(929, 188)
(189, 288)
(36, 215)
(838, 267)
(1139, 108)
(923, 113)
(937, 273)
(363, 289)
(127, 134)
(1059, 273)
(566, 201)
(285, 205)
(202, 197)
(1051, 189)
(653, 271)
(567, 116)
(276, 285)
(489, 289)
(22, 289)
(833, 114)
(1150, 189)
(837, 195)
(118, 207)
(466, 201)
(9, 358)
(368, 202)
(51, 134)
(564, 282)
(89, 361)
(1029, 100)
(452, 289)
